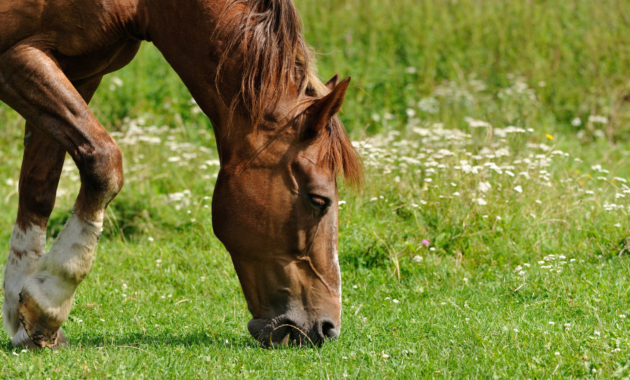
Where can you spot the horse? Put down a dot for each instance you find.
(280, 141)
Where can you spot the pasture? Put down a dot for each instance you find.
(491, 238)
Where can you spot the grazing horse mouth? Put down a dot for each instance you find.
(282, 331)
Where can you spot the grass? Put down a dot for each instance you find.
(524, 276)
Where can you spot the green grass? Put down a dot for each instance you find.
(463, 307)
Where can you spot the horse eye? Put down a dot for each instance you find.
(318, 202)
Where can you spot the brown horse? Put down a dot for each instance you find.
(280, 143)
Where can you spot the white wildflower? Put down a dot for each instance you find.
(429, 105)
(598, 119)
(484, 187)
(117, 81)
(477, 123)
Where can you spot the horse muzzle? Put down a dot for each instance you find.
(285, 330)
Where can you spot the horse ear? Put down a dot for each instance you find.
(323, 109)
(332, 83)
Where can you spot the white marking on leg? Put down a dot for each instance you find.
(20, 337)
(26, 247)
(60, 271)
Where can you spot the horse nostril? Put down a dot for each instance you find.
(328, 329)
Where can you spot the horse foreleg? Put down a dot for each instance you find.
(39, 177)
(46, 297)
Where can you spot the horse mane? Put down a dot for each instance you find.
(275, 56)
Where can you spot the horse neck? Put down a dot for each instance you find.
(186, 33)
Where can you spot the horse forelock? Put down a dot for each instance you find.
(275, 57)
(339, 155)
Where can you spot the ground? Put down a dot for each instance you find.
(490, 239)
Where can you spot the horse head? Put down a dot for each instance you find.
(276, 212)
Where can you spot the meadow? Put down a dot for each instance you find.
(491, 238)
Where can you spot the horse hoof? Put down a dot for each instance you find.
(62, 341)
(42, 330)
(22, 340)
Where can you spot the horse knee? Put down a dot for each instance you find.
(101, 169)
(113, 171)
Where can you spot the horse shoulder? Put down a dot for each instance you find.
(18, 20)
(71, 27)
